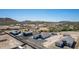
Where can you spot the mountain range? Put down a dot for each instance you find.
(7, 21)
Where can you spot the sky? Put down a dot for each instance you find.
(51, 15)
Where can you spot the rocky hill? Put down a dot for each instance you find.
(7, 21)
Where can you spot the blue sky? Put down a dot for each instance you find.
(41, 14)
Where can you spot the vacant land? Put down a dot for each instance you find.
(10, 42)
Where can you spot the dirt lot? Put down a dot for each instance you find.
(9, 43)
(74, 34)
